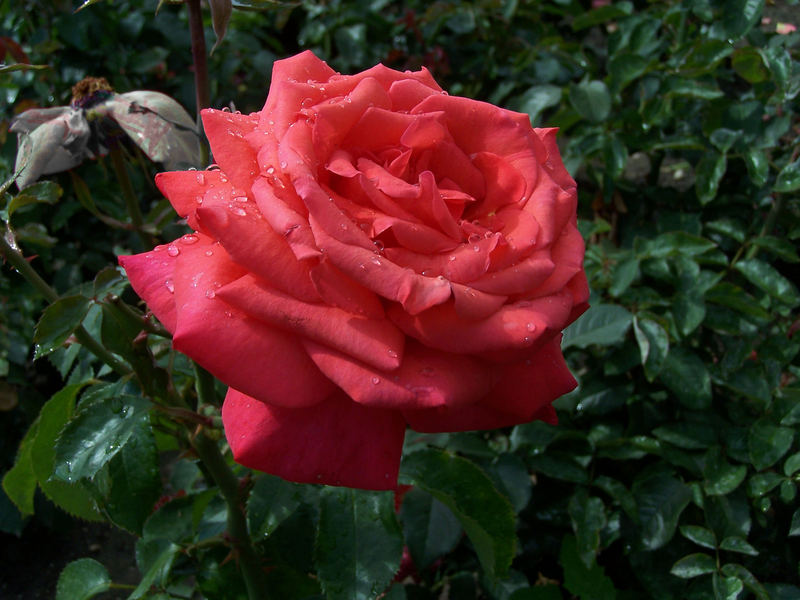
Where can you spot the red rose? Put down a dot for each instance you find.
(371, 254)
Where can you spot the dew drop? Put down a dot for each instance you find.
(237, 210)
(198, 199)
(201, 179)
(223, 179)
(375, 380)
(173, 250)
(474, 238)
(290, 229)
(189, 239)
(452, 258)
(210, 294)
(375, 260)
(378, 245)
(270, 170)
(170, 286)
(209, 252)
(476, 248)
(530, 326)
(284, 164)
(392, 354)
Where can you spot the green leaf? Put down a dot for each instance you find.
(602, 14)
(484, 513)
(700, 536)
(58, 322)
(708, 174)
(767, 443)
(761, 483)
(430, 528)
(661, 499)
(780, 247)
(792, 465)
(767, 278)
(788, 178)
(687, 434)
(20, 481)
(359, 544)
(511, 477)
(737, 544)
(723, 138)
(623, 275)
(96, 434)
(155, 558)
(739, 16)
(726, 588)
(82, 579)
(734, 570)
(591, 99)
(42, 192)
(586, 583)
(538, 592)
(757, 165)
(685, 374)
(71, 497)
(749, 65)
(734, 297)
(675, 243)
(693, 565)
(794, 528)
(602, 324)
(537, 99)
(588, 517)
(271, 502)
(721, 477)
(624, 68)
(133, 480)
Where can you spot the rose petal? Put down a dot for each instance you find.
(263, 361)
(226, 133)
(520, 278)
(374, 341)
(252, 243)
(337, 442)
(514, 326)
(426, 378)
(336, 289)
(567, 256)
(151, 275)
(472, 304)
(188, 190)
(415, 293)
(407, 93)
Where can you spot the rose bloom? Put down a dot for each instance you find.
(371, 254)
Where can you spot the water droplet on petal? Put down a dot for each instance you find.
(210, 294)
(476, 248)
(173, 250)
(376, 380)
(170, 286)
(530, 326)
(209, 252)
(189, 239)
(284, 164)
(392, 353)
(452, 258)
(201, 179)
(198, 199)
(237, 210)
(375, 260)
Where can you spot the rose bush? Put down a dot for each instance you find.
(371, 253)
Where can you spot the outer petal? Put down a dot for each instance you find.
(426, 378)
(336, 442)
(375, 341)
(226, 134)
(152, 276)
(261, 360)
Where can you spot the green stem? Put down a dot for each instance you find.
(131, 201)
(201, 90)
(769, 223)
(24, 268)
(228, 483)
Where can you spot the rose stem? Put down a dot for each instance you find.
(131, 201)
(87, 341)
(228, 484)
(200, 65)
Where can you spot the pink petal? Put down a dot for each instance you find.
(521, 278)
(407, 93)
(426, 378)
(152, 276)
(188, 190)
(337, 289)
(337, 442)
(374, 341)
(261, 360)
(251, 243)
(415, 292)
(514, 326)
(226, 133)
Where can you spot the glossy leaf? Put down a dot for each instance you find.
(737, 544)
(685, 374)
(661, 499)
(700, 536)
(430, 528)
(694, 565)
(96, 434)
(359, 543)
(581, 581)
(82, 579)
(591, 99)
(768, 443)
(603, 324)
(58, 322)
(271, 502)
(484, 513)
(726, 588)
(788, 178)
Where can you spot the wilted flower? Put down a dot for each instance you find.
(51, 140)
